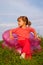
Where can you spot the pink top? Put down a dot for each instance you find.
(23, 32)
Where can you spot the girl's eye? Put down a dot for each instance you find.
(18, 21)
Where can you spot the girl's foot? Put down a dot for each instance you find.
(28, 56)
(22, 56)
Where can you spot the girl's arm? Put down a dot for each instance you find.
(34, 31)
(11, 36)
(12, 31)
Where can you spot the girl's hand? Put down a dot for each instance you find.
(36, 37)
(11, 37)
(39, 38)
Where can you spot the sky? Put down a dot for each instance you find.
(10, 10)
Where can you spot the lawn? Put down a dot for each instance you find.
(10, 57)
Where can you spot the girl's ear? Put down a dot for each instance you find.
(25, 22)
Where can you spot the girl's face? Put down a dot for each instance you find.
(21, 23)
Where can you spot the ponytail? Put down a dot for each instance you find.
(29, 23)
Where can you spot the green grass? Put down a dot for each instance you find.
(8, 57)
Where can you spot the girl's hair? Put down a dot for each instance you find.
(25, 19)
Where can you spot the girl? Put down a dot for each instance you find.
(23, 30)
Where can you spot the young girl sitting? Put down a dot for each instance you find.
(23, 30)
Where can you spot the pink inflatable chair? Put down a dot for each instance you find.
(35, 43)
(10, 43)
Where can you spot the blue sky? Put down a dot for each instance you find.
(10, 10)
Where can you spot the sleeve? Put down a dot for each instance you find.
(32, 30)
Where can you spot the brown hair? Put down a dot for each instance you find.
(25, 19)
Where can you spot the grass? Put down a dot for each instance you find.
(8, 57)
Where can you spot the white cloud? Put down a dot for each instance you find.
(8, 25)
(23, 7)
(11, 9)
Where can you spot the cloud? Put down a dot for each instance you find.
(21, 7)
(9, 25)
(10, 10)
(16, 8)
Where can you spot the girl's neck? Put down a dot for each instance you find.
(24, 26)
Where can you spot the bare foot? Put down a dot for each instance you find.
(22, 56)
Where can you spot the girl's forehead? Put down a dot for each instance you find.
(20, 19)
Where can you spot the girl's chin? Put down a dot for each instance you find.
(20, 26)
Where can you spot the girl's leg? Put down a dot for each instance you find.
(25, 44)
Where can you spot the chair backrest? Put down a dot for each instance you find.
(6, 37)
